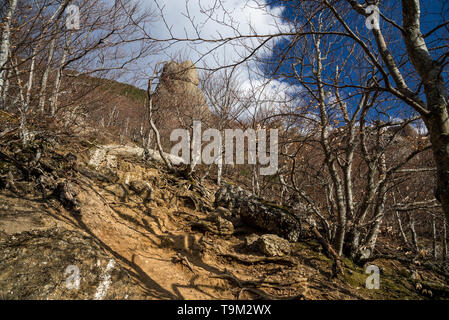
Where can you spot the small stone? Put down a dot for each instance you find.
(140, 187)
(274, 246)
(251, 241)
(225, 213)
(223, 226)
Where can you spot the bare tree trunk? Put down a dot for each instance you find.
(195, 145)
(338, 264)
(437, 117)
(145, 142)
(255, 181)
(401, 229)
(55, 17)
(45, 76)
(5, 91)
(413, 232)
(365, 207)
(444, 241)
(434, 242)
(329, 158)
(126, 126)
(284, 189)
(23, 107)
(220, 166)
(55, 94)
(380, 204)
(31, 77)
(5, 45)
(154, 128)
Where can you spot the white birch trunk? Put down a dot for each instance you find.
(5, 45)
(45, 76)
(55, 94)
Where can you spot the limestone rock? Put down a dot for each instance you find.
(273, 246)
(184, 71)
(66, 193)
(251, 241)
(140, 187)
(106, 156)
(61, 264)
(178, 88)
(224, 213)
(216, 224)
(223, 226)
(178, 96)
(303, 213)
(259, 213)
(230, 196)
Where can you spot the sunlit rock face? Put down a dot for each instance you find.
(178, 100)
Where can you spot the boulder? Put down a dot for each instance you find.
(67, 194)
(273, 246)
(224, 213)
(258, 213)
(271, 219)
(61, 264)
(222, 225)
(230, 197)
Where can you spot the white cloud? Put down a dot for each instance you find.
(228, 19)
(242, 15)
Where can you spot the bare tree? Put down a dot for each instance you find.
(321, 35)
(225, 99)
(44, 46)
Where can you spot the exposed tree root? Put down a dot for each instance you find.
(337, 268)
(252, 260)
(254, 285)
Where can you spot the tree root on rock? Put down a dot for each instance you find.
(254, 285)
(337, 268)
(252, 260)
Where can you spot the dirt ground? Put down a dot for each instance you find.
(141, 245)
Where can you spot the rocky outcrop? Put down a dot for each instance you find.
(251, 241)
(231, 197)
(106, 156)
(184, 71)
(61, 264)
(66, 193)
(178, 96)
(406, 131)
(258, 213)
(178, 89)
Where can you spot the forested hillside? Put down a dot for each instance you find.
(276, 150)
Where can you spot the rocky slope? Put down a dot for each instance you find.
(78, 223)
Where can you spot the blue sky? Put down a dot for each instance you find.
(268, 20)
(433, 13)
